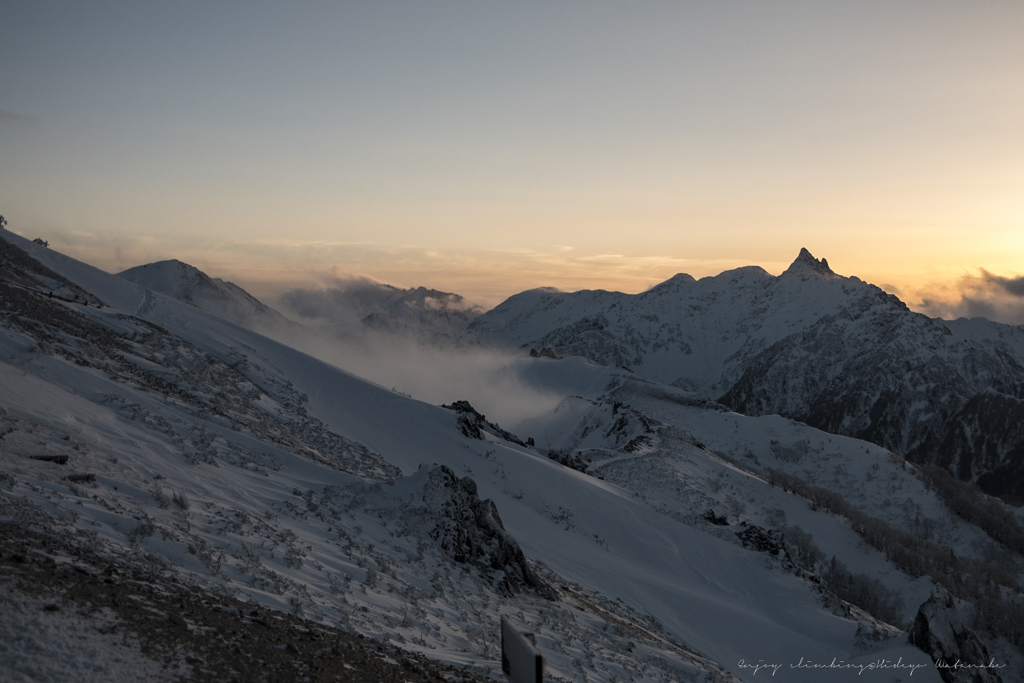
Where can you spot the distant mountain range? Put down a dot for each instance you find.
(833, 352)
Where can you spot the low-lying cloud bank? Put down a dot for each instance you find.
(410, 341)
(347, 307)
(985, 295)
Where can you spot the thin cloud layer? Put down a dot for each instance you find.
(269, 268)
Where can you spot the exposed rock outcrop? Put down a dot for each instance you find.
(717, 520)
(958, 653)
(470, 531)
(762, 540)
(473, 424)
(546, 352)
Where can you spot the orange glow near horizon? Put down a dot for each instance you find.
(487, 149)
(489, 277)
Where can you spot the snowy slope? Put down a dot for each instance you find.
(277, 452)
(712, 469)
(831, 351)
(602, 425)
(194, 287)
(420, 313)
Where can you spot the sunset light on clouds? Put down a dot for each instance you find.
(489, 148)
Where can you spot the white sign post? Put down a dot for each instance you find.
(519, 657)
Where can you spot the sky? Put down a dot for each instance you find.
(486, 148)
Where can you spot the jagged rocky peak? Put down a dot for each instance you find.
(806, 266)
(433, 298)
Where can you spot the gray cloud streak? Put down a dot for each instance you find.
(1011, 285)
(985, 295)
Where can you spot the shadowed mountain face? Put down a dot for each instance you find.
(831, 351)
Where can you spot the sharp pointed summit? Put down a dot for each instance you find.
(806, 266)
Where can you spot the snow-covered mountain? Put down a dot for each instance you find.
(640, 531)
(830, 351)
(194, 287)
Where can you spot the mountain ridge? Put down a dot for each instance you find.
(832, 351)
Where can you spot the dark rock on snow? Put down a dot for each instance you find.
(958, 653)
